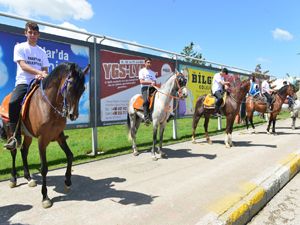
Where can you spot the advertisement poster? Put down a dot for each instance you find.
(199, 83)
(57, 53)
(119, 81)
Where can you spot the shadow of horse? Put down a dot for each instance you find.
(8, 211)
(87, 189)
(185, 153)
(246, 144)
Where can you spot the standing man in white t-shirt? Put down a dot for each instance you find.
(32, 62)
(147, 79)
(218, 86)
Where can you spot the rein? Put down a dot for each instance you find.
(63, 90)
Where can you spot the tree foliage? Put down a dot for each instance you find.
(191, 52)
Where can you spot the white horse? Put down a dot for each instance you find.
(173, 88)
(296, 105)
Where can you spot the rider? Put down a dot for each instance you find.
(266, 90)
(218, 86)
(289, 98)
(254, 89)
(32, 62)
(147, 79)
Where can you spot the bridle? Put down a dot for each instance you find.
(63, 92)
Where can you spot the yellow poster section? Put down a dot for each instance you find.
(199, 83)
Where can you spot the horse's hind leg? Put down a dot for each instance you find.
(154, 137)
(24, 151)
(63, 144)
(46, 202)
(134, 124)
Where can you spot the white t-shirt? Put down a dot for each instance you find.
(147, 75)
(265, 87)
(217, 86)
(34, 56)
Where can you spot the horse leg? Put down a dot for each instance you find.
(64, 146)
(24, 151)
(227, 140)
(46, 202)
(230, 134)
(269, 125)
(206, 121)
(134, 126)
(196, 119)
(273, 128)
(293, 122)
(13, 179)
(161, 135)
(154, 142)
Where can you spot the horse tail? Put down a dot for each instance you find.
(128, 128)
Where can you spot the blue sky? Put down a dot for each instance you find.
(234, 32)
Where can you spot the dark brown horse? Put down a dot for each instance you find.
(259, 105)
(230, 110)
(51, 104)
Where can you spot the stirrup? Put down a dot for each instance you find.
(11, 143)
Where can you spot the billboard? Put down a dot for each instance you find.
(119, 81)
(57, 53)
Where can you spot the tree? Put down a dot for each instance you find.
(189, 51)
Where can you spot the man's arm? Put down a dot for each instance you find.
(38, 73)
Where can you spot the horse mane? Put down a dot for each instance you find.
(164, 84)
(60, 69)
(282, 90)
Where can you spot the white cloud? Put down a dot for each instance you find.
(65, 33)
(54, 9)
(3, 70)
(263, 60)
(282, 35)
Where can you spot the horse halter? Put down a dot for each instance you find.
(63, 92)
(181, 83)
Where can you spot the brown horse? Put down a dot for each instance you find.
(230, 110)
(260, 105)
(51, 104)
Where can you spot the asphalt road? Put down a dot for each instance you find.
(194, 182)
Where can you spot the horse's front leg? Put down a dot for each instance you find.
(13, 179)
(269, 124)
(134, 126)
(63, 144)
(24, 151)
(46, 202)
(228, 131)
(196, 119)
(161, 137)
(273, 127)
(154, 137)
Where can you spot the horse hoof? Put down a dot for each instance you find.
(47, 203)
(154, 158)
(209, 142)
(12, 184)
(227, 145)
(136, 153)
(67, 189)
(31, 183)
(268, 132)
(163, 155)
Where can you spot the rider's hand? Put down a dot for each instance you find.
(41, 75)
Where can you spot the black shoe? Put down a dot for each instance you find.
(171, 116)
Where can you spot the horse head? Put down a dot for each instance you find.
(73, 88)
(181, 82)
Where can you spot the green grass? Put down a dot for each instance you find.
(112, 141)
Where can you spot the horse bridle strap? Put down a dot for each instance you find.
(64, 111)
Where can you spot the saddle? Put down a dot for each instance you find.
(138, 104)
(4, 108)
(210, 101)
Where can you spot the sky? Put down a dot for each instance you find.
(235, 33)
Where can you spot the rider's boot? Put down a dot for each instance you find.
(15, 140)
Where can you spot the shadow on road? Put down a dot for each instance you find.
(87, 189)
(8, 211)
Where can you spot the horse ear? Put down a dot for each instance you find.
(86, 69)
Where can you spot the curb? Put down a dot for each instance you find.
(261, 192)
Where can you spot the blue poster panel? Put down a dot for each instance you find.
(57, 53)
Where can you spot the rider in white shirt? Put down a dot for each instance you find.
(147, 79)
(266, 90)
(218, 88)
